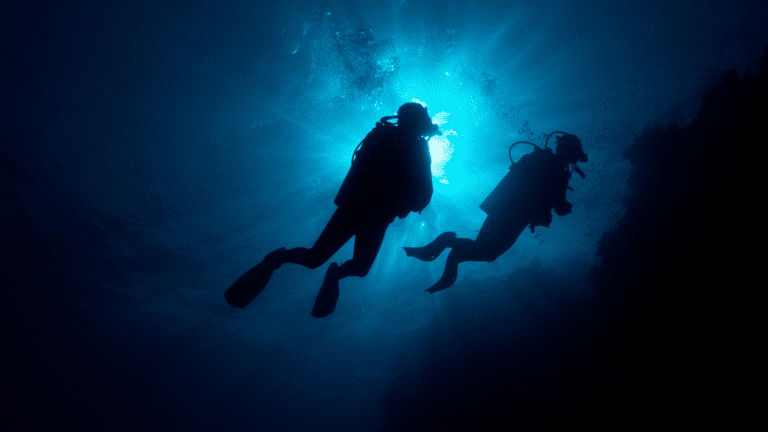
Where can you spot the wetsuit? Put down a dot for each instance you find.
(390, 177)
(526, 196)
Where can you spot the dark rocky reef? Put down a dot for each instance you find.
(676, 271)
(662, 342)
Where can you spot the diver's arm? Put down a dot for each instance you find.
(563, 207)
(424, 181)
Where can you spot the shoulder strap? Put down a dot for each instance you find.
(373, 134)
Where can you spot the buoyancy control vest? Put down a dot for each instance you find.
(390, 173)
(531, 188)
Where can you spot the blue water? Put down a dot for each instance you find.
(152, 153)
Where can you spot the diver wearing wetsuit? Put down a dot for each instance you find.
(390, 177)
(526, 196)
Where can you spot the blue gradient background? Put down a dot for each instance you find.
(154, 151)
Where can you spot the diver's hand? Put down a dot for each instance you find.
(563, 208)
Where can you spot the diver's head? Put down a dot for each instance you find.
(569, 148)
(415, 117)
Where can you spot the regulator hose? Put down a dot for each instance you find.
(519, 142)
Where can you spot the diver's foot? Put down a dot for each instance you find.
(449, 276)
(443, 283)
(433, 250)
(326, 299)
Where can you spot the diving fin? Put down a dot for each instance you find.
(325, 302)
(252, 283)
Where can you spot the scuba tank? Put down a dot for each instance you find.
(390, 169)
(572, 166)
(358, 179)
(508, 189)
(521, 187)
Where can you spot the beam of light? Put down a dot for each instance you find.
(353, 78)
(456, 103)
(440, 147)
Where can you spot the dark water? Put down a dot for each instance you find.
(151, 153)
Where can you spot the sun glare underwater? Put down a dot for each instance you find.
(356, 69)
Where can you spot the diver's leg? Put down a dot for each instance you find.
(434, 249)
(367, 245)
(368, 241)
(491, 243)
(449, 274)
(496, 236)
(338, 231)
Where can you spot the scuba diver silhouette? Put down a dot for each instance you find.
(535, 185)
(390, 177)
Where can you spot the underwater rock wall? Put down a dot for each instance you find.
(656, 343)
(674, 271)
